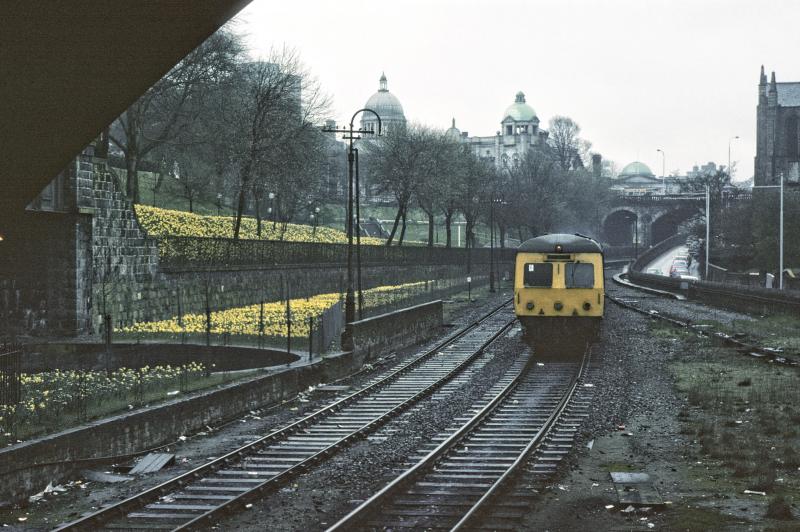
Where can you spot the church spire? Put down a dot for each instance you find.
(772, 95)
(454, 123)
(763, 78)
(383, 83)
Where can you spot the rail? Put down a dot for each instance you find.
(433, 459)
(198, 253)
(143, 499)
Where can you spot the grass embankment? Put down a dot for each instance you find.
(779, 331)
(744, 414)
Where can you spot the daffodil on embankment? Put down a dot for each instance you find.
(247, 321)
(57, 399)
(164, 222)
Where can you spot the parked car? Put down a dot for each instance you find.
(678, 272)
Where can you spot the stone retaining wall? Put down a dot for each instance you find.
(27, 467)
(87, 256)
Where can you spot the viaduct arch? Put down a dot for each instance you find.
(645, 220)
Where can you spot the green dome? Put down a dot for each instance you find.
(636, 168)
(520, 111)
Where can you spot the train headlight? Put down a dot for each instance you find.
(558, 305)
(587, 306)
(529, 306)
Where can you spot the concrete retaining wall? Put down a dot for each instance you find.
(379, 335)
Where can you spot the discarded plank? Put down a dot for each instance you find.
(101, 476)
(152, 463)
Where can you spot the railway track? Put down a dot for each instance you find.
(199, 497)
(455, 484)
(754, 351)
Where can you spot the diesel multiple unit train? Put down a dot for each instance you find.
(558, 286)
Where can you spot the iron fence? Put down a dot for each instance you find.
(10, 386)
(192, 253)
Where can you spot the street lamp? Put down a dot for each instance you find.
(780, 229)
(708, 228)
(730, 173)
(271, 209)
(663, 170)
(349, 301)
(491, 244)
(492, 202)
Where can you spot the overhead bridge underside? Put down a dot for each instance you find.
(69, 68)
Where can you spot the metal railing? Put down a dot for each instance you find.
(190, 253)
(10, 386)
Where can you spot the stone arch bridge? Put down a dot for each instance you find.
(646, 220)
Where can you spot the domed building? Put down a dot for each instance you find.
(387, 106)
(636, 179)
(519, 133)
(453, 132)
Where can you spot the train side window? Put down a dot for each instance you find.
(579, 275)
(539, 275)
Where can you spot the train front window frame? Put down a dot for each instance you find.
(579, 275)
(538, 275)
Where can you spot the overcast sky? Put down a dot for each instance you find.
(636, 75)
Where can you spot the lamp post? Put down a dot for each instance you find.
(708, 228)
(491, 244)
(730, 173)
(219, 203)
(316, 219)
(663, 170)
(349, 301)
(780, 229)
(271, 209)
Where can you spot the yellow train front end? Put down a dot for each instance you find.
(558, 286)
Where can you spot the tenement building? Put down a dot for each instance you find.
(777, 140)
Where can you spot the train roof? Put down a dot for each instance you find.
(569, 244)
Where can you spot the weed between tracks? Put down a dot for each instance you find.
(743, 415)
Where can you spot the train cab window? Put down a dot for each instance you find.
(538, 275)
(579, 275)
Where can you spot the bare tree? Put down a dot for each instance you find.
(168, 108)
(193, 177)
(569, 149)
(540, 205)
(471, 190)
(433, 188)
(275, 102)
(397, 163)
